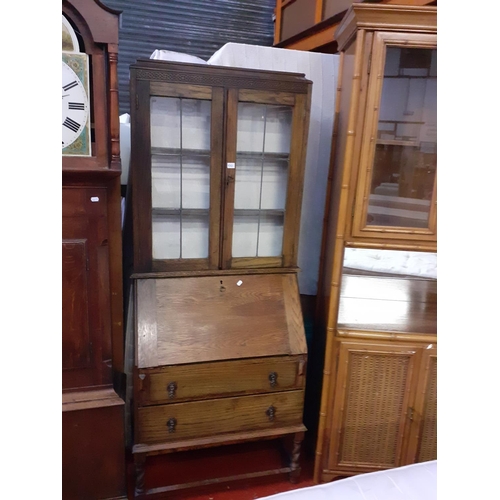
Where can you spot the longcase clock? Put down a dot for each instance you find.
(92, 310)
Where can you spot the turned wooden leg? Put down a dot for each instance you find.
(140, 469)
(294, 457)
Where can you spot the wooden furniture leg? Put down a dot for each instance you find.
(140, 470)
(294, 458)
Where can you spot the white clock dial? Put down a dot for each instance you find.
(75, 106)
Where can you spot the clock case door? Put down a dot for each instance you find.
(86, 318)
(393, 205)
(225, 89)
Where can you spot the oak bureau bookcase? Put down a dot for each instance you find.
(379, 398)
(217, 165)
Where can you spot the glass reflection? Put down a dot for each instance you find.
(404, 167)
(180, 177)
(262, 161)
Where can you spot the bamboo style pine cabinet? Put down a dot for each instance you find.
(217, 165)
(379, 400)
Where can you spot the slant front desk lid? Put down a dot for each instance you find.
(200, 319)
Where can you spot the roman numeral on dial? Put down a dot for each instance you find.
(74, 83)
(76, 105)
(71, 124)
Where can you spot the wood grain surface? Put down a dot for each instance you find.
(205, 380)
(216, 318)
(219, 416)
(388, 304)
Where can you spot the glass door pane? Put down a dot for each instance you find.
(180, 177)
(405, 162)
(262, 164)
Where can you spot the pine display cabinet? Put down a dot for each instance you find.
(379, 329)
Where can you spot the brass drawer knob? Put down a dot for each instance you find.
(171, 388)
(271, 412)
(273, 379)
(172, 422)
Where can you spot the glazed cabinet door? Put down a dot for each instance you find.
(373, 395)
(178, 132)
(396, 184)
(422, 444)
(263, 177)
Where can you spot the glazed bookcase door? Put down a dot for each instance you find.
(396, 194)
(263, 180)
(373, 393)
(180, 158)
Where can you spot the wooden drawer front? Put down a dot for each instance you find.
(187, 382)
(167, 423)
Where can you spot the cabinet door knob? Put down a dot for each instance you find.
(171, 423)
(271, 412)
(273, 378)
(171, 388)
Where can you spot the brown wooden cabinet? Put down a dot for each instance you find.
(311, 24)
(378, 402)
(93, 452)
(217, 165)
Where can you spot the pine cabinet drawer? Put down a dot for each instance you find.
(173, 384)
(168, 423)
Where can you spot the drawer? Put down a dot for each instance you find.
(172, 384)
(173, 422)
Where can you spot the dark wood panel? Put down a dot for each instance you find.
(86, 287)
(75, 305)
(140, 174)
(217, 124)
(228, 177)
(93, 457)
